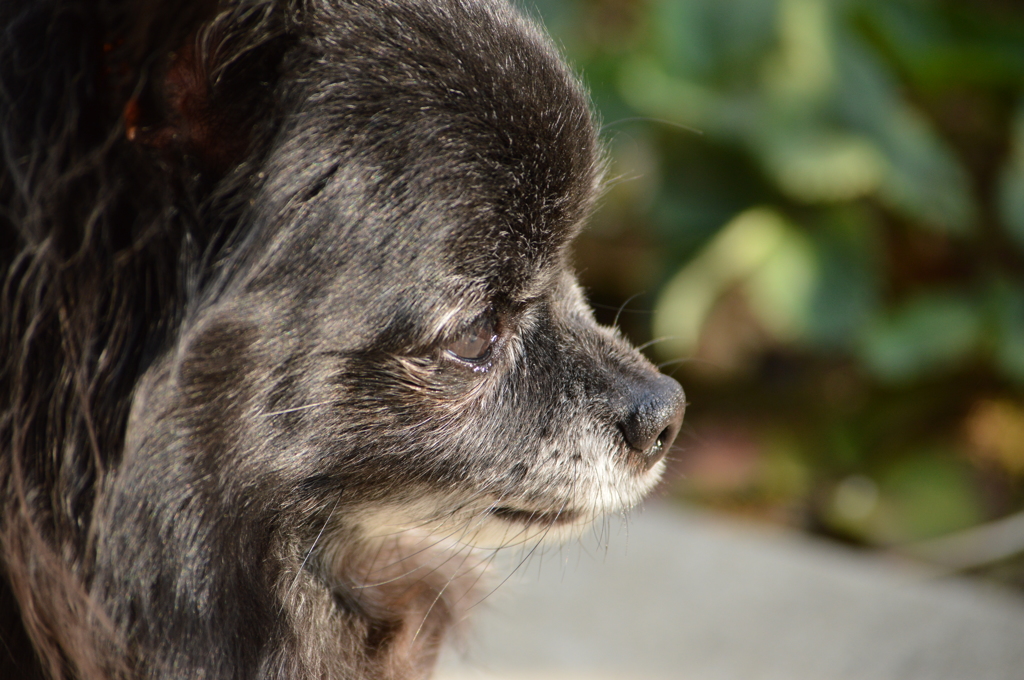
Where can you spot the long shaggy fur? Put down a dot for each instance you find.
(287, 334)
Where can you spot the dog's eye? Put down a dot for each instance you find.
(475, 343)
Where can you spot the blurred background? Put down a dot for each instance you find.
(815, 222)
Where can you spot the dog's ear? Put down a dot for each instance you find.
(200, 99)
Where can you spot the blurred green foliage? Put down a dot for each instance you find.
(816, 218)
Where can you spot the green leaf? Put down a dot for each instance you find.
(939, 46)
(846, 296)
(1008, 303)
(713, 41)
(925, 181)
(760, 251)
(1011, 183)
(651, 91)
(819, 165)
(931, 332)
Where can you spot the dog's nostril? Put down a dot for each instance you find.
(654, 416)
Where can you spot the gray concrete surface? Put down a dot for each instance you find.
(682, 595)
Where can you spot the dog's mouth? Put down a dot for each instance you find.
(535, 517)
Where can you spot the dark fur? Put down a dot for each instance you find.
(238, 240)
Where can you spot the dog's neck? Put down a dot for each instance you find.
(400, 595)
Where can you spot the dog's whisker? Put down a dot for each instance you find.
(650, 119)
(678, 362)
(314, 544)
(464, 529)
(657, 341)
(485, 565)
(405, 557)
(523, 560)
(615, 323)
(440, 593)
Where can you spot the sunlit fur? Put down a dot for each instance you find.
(238, 238)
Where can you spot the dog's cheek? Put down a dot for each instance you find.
(375, 412)
(216, 381)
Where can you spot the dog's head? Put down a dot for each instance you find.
(398, 332)
(386, 336)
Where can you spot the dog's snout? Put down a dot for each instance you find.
(652, 420)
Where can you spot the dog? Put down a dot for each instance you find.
(290, 337)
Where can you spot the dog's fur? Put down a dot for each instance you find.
(287, 324)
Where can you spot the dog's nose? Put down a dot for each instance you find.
(653, 419)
